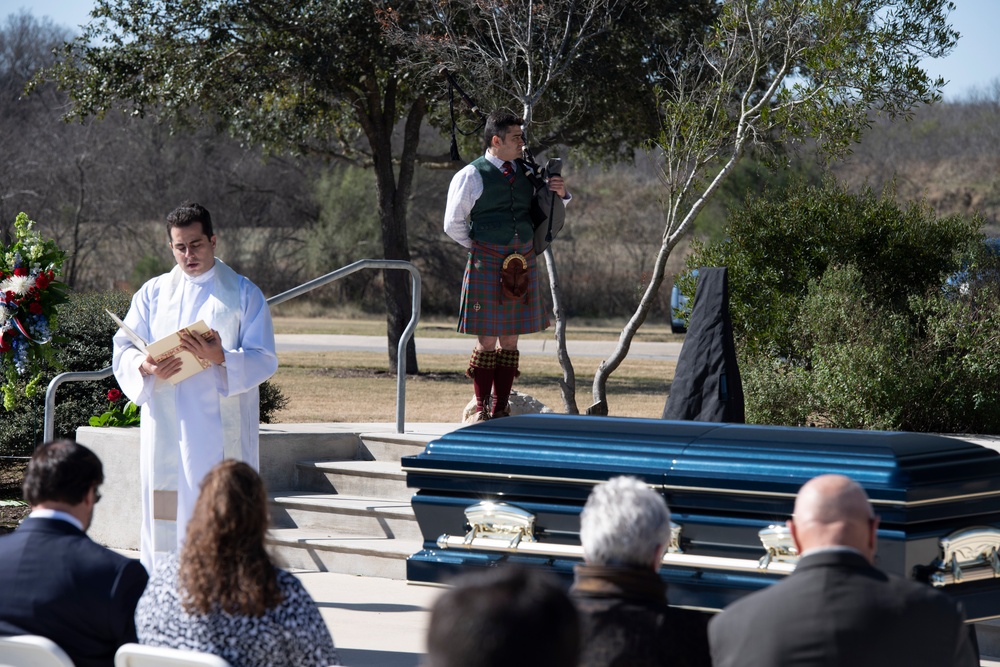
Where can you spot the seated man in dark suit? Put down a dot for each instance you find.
(503, 616)
(54, 580)
(625, 529)
(837, 609)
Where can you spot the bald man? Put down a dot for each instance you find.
(837, 609)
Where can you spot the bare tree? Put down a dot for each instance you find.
(98, 188)
(516, 50)
(26, 45)
(780, 71)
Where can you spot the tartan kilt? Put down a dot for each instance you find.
(482, 310)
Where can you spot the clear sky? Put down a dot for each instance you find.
(974, 63)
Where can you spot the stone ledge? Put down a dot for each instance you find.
(118, 518)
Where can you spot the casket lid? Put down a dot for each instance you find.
(554, 453)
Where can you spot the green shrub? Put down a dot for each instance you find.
(850, 368)
(933, 367)
(843, 317)
(777, 245)
(271, 401)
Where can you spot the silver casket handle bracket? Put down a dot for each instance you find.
(503, 522)
(969, 554)
(778, 545)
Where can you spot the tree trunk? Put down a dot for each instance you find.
(392, 198)
(611, 364)
(567, 385)
(75, 250)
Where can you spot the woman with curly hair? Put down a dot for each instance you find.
(223, 595)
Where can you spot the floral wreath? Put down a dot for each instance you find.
(29, 294)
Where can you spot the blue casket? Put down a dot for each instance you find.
(511, 490)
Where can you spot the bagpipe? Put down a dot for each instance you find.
(547, 213)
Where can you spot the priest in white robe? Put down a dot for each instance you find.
(190, 426)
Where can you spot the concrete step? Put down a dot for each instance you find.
(359, 555)
(339, 514)
(282, 445)
(367, 479)
(383, 447)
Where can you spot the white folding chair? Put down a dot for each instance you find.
(32, 651)
(139, 655)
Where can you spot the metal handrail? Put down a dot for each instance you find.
(82, 376)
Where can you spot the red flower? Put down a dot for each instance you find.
(35, 308)
(41, 281)
(114, 395)
(20, 271)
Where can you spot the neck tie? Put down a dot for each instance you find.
(508, 171)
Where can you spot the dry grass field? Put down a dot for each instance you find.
(357, 386)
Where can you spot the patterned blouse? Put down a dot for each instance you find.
(292, 634)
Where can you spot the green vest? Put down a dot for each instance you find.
(503, 208)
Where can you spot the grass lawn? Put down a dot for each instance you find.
(357, 386)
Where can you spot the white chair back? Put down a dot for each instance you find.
(32, 651)
(138, 655)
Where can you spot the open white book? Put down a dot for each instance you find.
(169, 346)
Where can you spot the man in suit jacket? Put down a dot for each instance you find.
(54, 580)
(836, 609)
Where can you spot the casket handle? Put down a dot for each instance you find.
(674, 546)
(499, 521)
(778, 545)
(969, 554)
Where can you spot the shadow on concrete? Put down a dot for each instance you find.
(375, 607)
(353, 657)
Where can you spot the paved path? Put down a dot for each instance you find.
(527, 346)
(374, 622)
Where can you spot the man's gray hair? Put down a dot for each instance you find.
(623, 522)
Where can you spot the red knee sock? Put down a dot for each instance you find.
(481, 370)
(503, 380)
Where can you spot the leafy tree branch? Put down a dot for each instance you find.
(775, 72)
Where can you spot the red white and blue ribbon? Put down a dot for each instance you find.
(24, 332)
